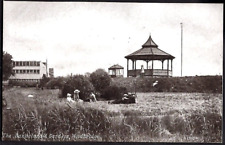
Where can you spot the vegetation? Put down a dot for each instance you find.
(55, 83)
(22, 83)
(170, 117)
(44, 80)
(79, 82)
(113, 92)
(100, 80)
(7, 66)
(201, 84)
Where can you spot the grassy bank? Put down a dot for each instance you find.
(157, 117)
(200, 84)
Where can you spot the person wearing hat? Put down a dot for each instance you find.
(76, 95)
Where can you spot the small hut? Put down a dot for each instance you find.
(116, 71)
(150, 52)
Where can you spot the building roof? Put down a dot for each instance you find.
(149, 51)
(150, 43)
(116, 66)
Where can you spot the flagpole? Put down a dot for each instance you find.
(181, 47)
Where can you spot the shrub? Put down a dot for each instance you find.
(100, 80)
(44, 80)
(22, 83)
(55, 83)
(113, 92)
(78, 82)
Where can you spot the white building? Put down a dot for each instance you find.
(29, 70)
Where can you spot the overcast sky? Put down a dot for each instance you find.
(80, 37)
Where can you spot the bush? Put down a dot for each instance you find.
(100, 80)
(113, 92)
(22, 83)
(55, 83)
(44, 80)
(79, 82)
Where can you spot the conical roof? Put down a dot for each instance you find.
(149, 51)
(116, 66)
(150, 43)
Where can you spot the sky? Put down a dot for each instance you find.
(80, 37)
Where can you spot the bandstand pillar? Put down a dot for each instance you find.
(167, 67)
(146, 64)
(162, 64)
(135, 68)
(171, 67)
(152, 68)
(127, 67)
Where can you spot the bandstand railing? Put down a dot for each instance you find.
(151, 72)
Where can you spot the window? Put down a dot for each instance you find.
(24, 71)
(28, 63)
(14, 63)
(35, 71)
(17, 71)
(35, 63)
(31, 71)
(38, 71)
(38, 63)
(17, 63)
(21, 71)
(20, 63)
(24, 63)
(31, 63)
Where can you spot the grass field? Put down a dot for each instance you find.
(156, 117)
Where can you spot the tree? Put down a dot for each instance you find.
(100, 80)
(79, 82)
(44, 80)
(7, 67)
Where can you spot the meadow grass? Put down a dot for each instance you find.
(157, 117)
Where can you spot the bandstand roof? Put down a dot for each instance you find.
(116, 66)
(149, 51)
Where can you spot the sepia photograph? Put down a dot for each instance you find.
(112, 72)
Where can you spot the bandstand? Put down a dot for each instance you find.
(150, 53)
(116, 71)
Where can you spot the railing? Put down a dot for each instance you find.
(150, 72)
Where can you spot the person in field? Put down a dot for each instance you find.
(69, 99)
(92, 97)
(76, 95)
